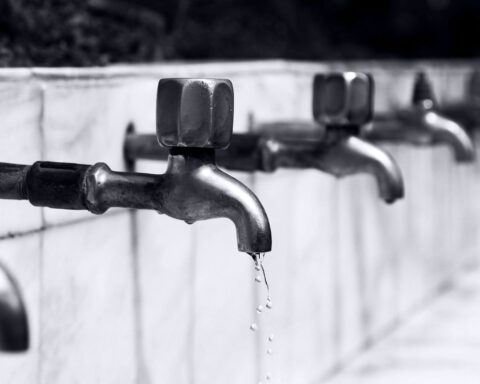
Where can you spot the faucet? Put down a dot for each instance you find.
(194, 118)
(422, 124)
(14, 334)
(342, 103)
(467, 112)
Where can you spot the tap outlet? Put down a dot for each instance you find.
(422, 124)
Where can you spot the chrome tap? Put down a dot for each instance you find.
(194, 118)
(467, 112)
(14, 334)
(422, 124)
(342, 103)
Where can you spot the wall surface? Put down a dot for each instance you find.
(142, 298)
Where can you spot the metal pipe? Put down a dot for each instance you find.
(14, 332)
(191, 189)
(12, 178)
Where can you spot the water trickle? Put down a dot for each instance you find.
(259, 278)
(269, 304)
(258, 258)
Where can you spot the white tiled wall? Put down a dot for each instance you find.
(142, 298)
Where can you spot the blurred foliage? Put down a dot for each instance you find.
(75, 33)
(99, 32)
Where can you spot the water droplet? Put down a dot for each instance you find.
(271, 337)
(270, 351)
(253, 327)
(269, 304)
(260, 308)
(268, 377)
(258, 279)
(257, 267)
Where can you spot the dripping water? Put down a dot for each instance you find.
(259, 277)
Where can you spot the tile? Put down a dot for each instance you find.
(84, 122)
(437, 345)
(21, 257)
(20, 108)
(314, 254)
(87, 320)
(166, 277)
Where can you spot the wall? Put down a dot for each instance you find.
(141, 298)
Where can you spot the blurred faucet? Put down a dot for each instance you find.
(467, 112)
(342, 103)
(14, 335)
(194, 118)
(422, 124)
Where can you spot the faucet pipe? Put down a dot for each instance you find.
(192, 189)
(339, 152)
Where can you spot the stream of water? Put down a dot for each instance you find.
(261, 277)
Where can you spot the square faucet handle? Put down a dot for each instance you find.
(194, 113)
(473, 87)
(343, 98)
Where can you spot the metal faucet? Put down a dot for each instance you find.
(422, 124)
(467, 112)
(342, 103)
(194, 117)
(14, 334)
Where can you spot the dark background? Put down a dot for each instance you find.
(100, 32)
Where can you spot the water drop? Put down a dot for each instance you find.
(271, 337)
(270, 351)
(260, 308)
(269, 304)
(258, 279)
(268, 377)
(257, 268)
(253, 327)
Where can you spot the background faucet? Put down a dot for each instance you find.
(422, 124)
(14, 334)
(467, 112)
(342, 103)
(194, 118)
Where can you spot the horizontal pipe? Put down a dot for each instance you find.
(243, 154)
(12, 181)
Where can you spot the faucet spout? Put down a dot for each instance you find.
(422, 124)
(195, 189)
(338, 153)
(191, 189)
(352, 155)
(447, 131)
(14, 334)
(422, 127)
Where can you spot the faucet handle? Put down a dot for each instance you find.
(423, 94)
(343, 98)
(196, 113)
(473, 87)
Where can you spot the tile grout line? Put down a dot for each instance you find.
(41, 127)
(141, 374)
